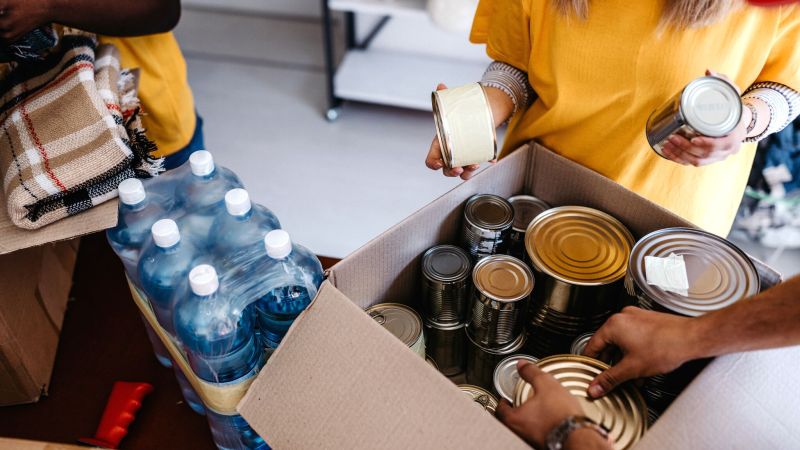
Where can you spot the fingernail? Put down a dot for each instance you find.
(595, 391)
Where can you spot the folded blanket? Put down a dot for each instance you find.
(70, 132)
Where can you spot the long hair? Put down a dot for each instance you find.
(680, 14)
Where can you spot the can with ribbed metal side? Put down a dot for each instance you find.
(403, 322)
(481, 361)
(506, 375)
(580, 256)
(487, 223)
(447, 346)
(622, 412)
(482, 398)
(446, 285)
(526, 208)
(503, 285)
(707, 106)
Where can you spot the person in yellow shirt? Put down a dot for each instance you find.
(140, 29)
(582, 78)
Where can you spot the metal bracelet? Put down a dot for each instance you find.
(558, 436)
(753, 116)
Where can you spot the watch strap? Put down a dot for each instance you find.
(558, 436)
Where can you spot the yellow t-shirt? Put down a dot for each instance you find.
(167, 102)
(598, 81)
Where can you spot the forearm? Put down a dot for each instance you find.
(586, 439)
(116, 18)
(508, 90)
(768, 320)
(500, 103)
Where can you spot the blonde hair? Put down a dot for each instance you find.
(680, 14)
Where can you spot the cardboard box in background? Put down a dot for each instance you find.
(35, 278)
(339, 380)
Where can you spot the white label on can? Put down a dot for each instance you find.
(667, 273)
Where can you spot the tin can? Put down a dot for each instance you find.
(506, 375)
(481, 361)
(446, 286)
(447, 346)
(707, 106)
(580, 257)
(403, 322)
(622, 411)
(482, 398)
(526, 208)
(503, 285)
(487, 222)
(719, 274)
(464, 125)
(432, 363)
(579, 344)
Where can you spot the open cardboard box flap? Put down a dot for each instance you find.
(340, 381)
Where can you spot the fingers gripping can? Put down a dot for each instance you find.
(708, 106)
(464, 125)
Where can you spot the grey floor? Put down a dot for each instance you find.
(259, 84)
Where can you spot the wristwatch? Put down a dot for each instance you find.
(559, 435)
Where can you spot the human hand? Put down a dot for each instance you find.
(19, 17)
(548, 407)
(434, 161)
(652, 343)
(703, 150)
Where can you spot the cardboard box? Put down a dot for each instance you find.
(22, 444)
(340, 381)
(36, 276)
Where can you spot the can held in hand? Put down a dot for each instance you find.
(708, 106)
(622, 412)
(447, 283)
(403, 322)
(503, 285)
(526, 208)
(506, 376)
(464, 125)
(481, 360)
(482, 398)
(447, 346)
(487, 223)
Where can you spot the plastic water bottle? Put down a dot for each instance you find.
(163, 268)
(293, 275)
(243, 226)
(201, 195)
(220, 344)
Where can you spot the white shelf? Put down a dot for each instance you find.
(400, 79)
(380, 7)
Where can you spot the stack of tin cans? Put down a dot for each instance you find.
(446, 288)
(717, 275)
(499, 304)
(526, 208)
(622, 412)
(580, 256)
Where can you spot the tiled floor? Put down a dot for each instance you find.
(258, 81)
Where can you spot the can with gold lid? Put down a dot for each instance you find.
(580, 257)
(716, 272)
(446, 285)
(481, 360)
(403, 322)
(506, 375)
(482, 398)
(503, 285)
(487, 222)
(526, 208)
(622, 412)
(447, 346)
(464, 125)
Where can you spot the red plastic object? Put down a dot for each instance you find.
(126, 399)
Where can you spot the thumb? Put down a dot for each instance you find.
(710, 73)
(611, 378)
(441, 87)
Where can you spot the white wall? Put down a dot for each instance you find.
(292, 7)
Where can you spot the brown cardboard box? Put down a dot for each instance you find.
(22, 444)
(35, 279)
(340, 381)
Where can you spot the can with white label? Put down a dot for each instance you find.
(464, 125)
(708, 106)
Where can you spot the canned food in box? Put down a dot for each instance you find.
(401, 321)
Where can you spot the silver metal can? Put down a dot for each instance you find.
(446, 285)
(487, 222)
(503, 285)
(447, 346)
(464, 125)
(482, 398)
(481, 361)
(526, 208)
(401, 321)
(708, 106)
(506, 375)
(579, 344)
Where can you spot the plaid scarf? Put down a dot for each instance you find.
(70, 132)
